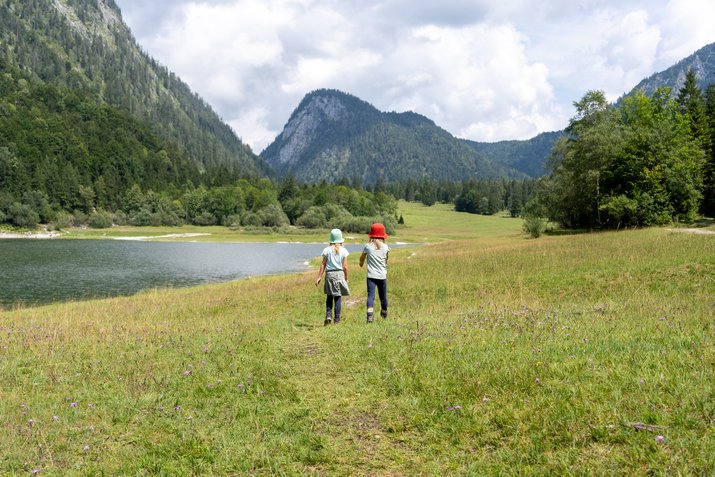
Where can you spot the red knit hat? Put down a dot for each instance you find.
(378, 231)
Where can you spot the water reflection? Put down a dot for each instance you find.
(43, 271)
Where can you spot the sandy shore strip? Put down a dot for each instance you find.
(143, 238)
(694, 231)
(29, 235)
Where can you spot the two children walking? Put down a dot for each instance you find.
(335, 266)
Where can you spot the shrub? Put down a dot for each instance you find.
(313, 218)
(323, 216)
(621, 210)
(140, 217)
(23, 215)
(79, 218)
(534, 226)
(251, 219)
(232, 221)
(356, 225)
(120, 218)
(61, 220)
(100, 220)
(205, 218)
(164, 217)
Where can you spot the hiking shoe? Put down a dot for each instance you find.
(369, 318)
(327, 322)
(336, 320)
(383, 313)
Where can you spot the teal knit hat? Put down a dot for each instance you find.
(336, 236)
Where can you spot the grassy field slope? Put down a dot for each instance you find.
(586, 354)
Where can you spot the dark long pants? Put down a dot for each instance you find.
(381, 285)
(329, 300)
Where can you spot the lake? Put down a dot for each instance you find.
(45, 271)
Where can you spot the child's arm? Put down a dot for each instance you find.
(345, 268)
(320, 272)
(362, 259)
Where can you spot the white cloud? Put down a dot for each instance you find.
(464, 78)
(687, 27)
(482, 69)
(218, 48)
(627, 52)
(253, 123)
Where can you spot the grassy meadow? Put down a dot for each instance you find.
(590, 354)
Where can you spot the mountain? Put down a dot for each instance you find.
(84, 45)
(526, 156)
(702, 62)
(333, 135)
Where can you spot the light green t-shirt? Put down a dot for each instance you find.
(335, 260)
(376, 261)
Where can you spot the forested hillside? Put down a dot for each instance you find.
(333, 135)
(64, 149)
(84, 45)
(527, 156)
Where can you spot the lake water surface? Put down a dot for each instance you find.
(44, 271)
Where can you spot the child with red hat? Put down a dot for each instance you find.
(376, 252)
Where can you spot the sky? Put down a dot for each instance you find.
(483, 70)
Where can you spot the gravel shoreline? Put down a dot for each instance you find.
(29, 235)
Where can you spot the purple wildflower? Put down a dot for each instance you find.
(659, 438)
(73, 404)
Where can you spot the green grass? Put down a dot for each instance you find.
(502, 356)
(423, 224)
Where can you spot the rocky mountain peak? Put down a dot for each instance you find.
(310, 117)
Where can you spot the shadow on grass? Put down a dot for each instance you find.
(559, 232)
(555, 231)
(704, 223)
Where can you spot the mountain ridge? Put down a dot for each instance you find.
(334, 135)
(702, 61)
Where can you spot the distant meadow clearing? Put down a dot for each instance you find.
(588, 354)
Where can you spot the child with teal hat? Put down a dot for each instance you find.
(335, 265)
